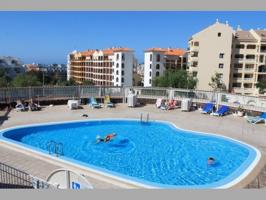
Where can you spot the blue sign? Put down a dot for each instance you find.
(75, 186)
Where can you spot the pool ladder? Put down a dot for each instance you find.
(55, 147)
(147, 118)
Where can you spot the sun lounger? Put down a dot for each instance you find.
(108, 102)
(158, 103)
(163, 105)
(257, 119)
(93, 103)
(20, 107)
(221, 111)
(207, 108)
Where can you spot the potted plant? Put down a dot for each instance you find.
(240, 111)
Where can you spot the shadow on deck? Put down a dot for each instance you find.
(5, 116)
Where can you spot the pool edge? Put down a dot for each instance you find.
(114, 176)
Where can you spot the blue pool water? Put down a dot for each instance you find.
(154, 153)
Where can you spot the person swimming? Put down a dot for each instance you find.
(107, 138)
(211, 161)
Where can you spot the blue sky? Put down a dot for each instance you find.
(47, 37)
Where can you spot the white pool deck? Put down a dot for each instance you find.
(40, 166)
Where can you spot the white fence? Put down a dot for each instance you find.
(8, 95)
(198, 96)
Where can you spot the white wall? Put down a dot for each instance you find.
(128, 69)
(153, 70)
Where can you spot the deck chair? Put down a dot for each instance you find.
(158, 103)
(93, 103)
(108, 102)
(207, 108)
(221, 111)
(257, 119)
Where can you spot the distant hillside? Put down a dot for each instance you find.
(11, 65)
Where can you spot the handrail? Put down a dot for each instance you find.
(58, 148)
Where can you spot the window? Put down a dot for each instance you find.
(221, 55)
(150, 57)
(261, 58)
(158, 58)
(240, 46)
(248, 76)
(237, 75)
(117, 56)
(239, 56)
(122, 80)
(150, 74)
(117, 65)
(249, 66)
(194, 74)
(122, 72)
(238, 65)
(157, 66)
(150, 66)
(123, 56)
(219, 34)
(157, 73)
(238, 85)
(196, 44)
(117, 72)
(247, 85)
(250, 57)
(221, 66)
(195, 54)
(123, 65)
(263, 48)
(251, 46)
(150, 81)
(117, 79)
(195, 64)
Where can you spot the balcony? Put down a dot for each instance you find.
(238, 79)
(238, 69)
(249, 80)
(249, 69)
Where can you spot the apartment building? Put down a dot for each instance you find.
(248, 61)
(107, 67)
(157, 60)
(238, 56)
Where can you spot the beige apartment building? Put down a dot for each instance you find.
(106, 67)
(238, 56)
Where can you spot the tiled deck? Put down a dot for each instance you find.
(231, 126)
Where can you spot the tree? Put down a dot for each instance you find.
(4, 80)
(26, 80)
(262, 86)
(87, 82)
(175, 79)
(216, 82)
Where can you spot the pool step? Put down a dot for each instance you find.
(55, 147)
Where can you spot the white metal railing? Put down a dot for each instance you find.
(8, 95)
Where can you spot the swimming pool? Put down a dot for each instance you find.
(156, 154)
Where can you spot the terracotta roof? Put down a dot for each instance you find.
(87, 53)
(168, 51)
(108, 51)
